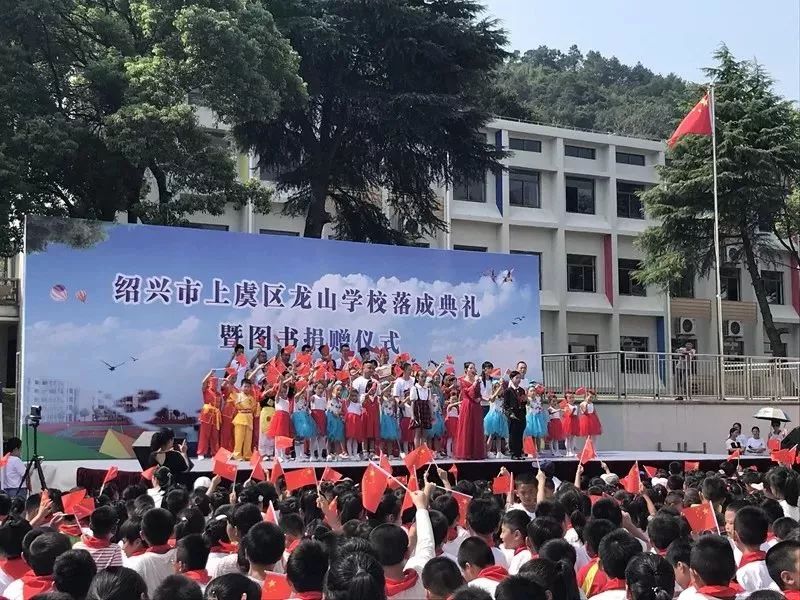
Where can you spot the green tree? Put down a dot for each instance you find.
(397, 95)
(94, 112)
(592, 92)
(758, 150)
(787, 222)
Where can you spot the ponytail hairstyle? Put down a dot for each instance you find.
(216, 530)
(784, 484)
(650, 577)
(355, 575)
(163, 477)
(576, 506)
(190, 520)
(556, 576)
(350, 507)
(486, 365)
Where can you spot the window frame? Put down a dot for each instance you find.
(577, 198)
(469, 185)
(574, 151)
(767, 278)
(571, 263)
(278, 232)
(206, 226)
(627, 159)
(468, 248)
(633, 286)
(536, 145)
(531, 253)
(630, 196)
(726, 275)
(589, 363)
(537, 184)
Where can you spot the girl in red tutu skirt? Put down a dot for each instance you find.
(590, 426)
(555, 430)
(281, 423)
(570, 423)
(353, 425)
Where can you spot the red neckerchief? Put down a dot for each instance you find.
(613, 584)
(162, 549)
(73, 530)
(290, 548)
(751, 557)
(395, 586)
(201, 576)
(225, 547)
(724, 592)
(307, 596)
(495, 573)
(520, 550)
(791, 594)
(172, 542)
(15, 568)
(452, 534)
(138, 552)
(36, 584)
(661, 552)
(771, 536)
(94, 543)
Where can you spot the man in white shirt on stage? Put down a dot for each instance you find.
(14, 470)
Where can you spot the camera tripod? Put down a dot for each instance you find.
(35, 461)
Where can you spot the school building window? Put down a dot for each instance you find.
(469, 248)
(582, 348)
(470, 190)
(627, 158)
(580, 195)
(773, 284)
(731, 283)
(207, 226)
(684, 287)
(539, 254)
(579, 152)
(636, 359)
(278, 232)
(628, 286)
(581, 273)
(524, 145)
(629, 206)
(523, 188)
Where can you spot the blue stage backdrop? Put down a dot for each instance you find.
(122, 322)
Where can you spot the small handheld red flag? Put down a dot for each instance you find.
(633, 480)
(385, 464)
(413, 486)
(588, 452)
(373, 484)
(223, 455)
(503, 484)
(330, 474)
(225, 470)
(581, 391)
(300, 478)
(270, 515)
(701, 517)
(773, 444)
(395, 483)
(463, 506)
(735, 455)
(418, 458)
(454, 470)
(71, 500)
(277, 471)
(529, 446)
(697, 122)
(275, 587)
(786, 456)
(258, 473)
(283, 443)
(148, 473)
(84, 508)
(111, 474)
(651, 471)
(691, 465)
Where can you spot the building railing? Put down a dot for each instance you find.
(9, 291)
(666, 375)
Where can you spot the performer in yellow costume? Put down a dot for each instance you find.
(243, 421)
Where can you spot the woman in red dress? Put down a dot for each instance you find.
(469, 443)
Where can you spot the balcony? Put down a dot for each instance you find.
(9, 292)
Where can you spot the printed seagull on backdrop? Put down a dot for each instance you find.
(509, 276)
(133, 358)
(490, 274)
(517, 320)
(113, 367)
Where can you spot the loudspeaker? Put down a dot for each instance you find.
(141, 448)
(792, 438)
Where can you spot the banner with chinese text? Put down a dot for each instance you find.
(122, 322)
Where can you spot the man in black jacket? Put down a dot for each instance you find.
(514, 402)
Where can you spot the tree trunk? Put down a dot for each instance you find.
(761, 296)
(317, 217)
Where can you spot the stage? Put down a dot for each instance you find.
(67, 474)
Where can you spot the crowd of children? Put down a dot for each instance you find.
(355, 407)
(720, 535)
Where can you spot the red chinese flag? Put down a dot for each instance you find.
(270, 515)
(701, 517)
(651, 471)
(303, 369)
(503, 484)
(385, 464)
(225, 470)
(786, 457)
(343, 375)
(463, 506)
(773, 444)
(404, 357)
(454, 470)
(300, 478)
(71, 500)
(496, 373)
(632, 481)
(330, 475)
(277, 471)
(395, 483)
(373, 484)
(111, 474)
(413, 486)
(529, 446)
(275, 587)
(84, 508)
(450, 371)
(300, 385)
(283, 443)
(581, 391)
(735, 455)
(691, 465)
(418, 458)
(303, 359)
(223, 455)
(334, 506)
(288, 349)
(148, 473)
(697, 122)
(588, 452)
(258, 473)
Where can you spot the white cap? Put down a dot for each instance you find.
(202, 482)
(610, 478)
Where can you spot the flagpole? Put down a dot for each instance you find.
(718, 258)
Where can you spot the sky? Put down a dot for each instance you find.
(677, 36)
(175, 345)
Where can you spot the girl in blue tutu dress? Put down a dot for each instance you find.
(536, 417)
(334, 422)
(390, 425)
(304, 426)
(495, 423)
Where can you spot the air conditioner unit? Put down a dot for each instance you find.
(733, 328)
(686, 326)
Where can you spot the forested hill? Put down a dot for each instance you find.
(593, 92)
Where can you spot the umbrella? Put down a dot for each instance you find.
(772, 414)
